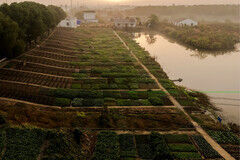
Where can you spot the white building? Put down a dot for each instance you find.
(185, 22)
(68, 22)
(90, 16)
(127, 22)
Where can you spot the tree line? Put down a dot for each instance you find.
(208, 10)
(22, 24)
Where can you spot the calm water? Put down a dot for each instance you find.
(217, 74)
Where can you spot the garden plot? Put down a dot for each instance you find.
(23, 143)
(35, 78)
(228, 140)
(38, 68)
(181, 147)
(34, 143)
(98, 98)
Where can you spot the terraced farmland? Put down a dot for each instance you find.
(86, 59)
(85, 88)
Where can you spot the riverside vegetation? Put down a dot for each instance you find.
(206, 36)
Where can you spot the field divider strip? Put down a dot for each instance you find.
(67, 50)
(29, 84)
(58, 54)
(37, 73)
(209, 139)
(52, 59)
(45, 65)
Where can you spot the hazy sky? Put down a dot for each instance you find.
(133, 2)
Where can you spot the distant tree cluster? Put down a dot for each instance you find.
(21, 24)
(218, 36)
(213, 10)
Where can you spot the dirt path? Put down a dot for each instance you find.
(161, 132)
(214, 144)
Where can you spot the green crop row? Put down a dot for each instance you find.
(186, 155)
(23, 143)
(152, 146)
(2, 140)
(224, 137)
(180, 138)
(127, 147)
(182, 147)
(107, 147)
(206, 150)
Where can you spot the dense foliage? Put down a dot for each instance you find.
(107, 147)
(23, 143)
(127, 146)
(217, 36)
(25, 22)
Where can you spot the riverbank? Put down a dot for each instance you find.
(199, 71)
(204, 37)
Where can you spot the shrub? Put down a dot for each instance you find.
(127, 147)
(182, 148)
(186, 155)
(76, 86)
(80, 75)
(93, 102)
(156, 101)
(2, 120)
(23, 143)
(159, 147)
(65, 93)
(77, 102)
(109, 101)
(143, 146)
(63, 102)
(205, 148)
(107, 147)
(224, 137)
(181, 138)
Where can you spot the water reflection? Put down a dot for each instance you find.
(152, 37)
(215, 73)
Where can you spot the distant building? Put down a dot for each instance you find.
(185, 22)
(127, 22)
(90, 16)
(69, 22)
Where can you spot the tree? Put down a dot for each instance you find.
(153, 21)
(22, 23)
(11, 45)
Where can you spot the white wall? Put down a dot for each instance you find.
(89, 16)
(70, 23)
(187, 22)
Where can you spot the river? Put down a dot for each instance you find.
(216, 74)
